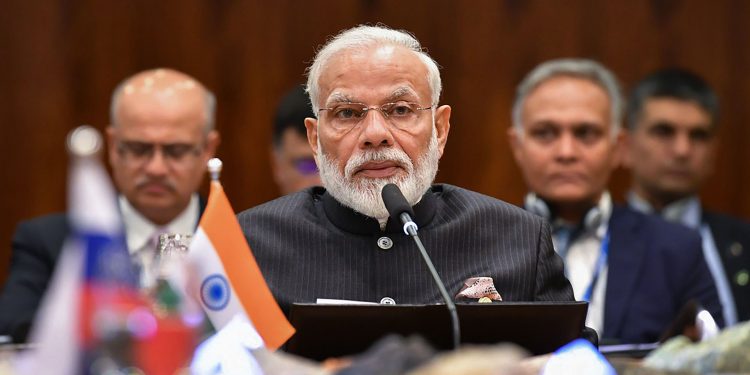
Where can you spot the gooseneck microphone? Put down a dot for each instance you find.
(400, 209)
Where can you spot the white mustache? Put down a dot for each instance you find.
(386, 154)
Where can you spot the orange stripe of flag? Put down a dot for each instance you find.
(223, 230)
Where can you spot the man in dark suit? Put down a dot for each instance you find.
(375, 93)
(636, 271)
(672, 120)
(160, 140)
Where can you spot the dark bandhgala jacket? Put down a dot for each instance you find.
(309, 246)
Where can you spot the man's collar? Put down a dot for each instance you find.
(639, 204)
(686, 211)
(351, 221)
(139, 230)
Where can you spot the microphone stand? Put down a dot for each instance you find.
(411, 229)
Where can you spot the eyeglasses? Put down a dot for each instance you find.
(137, 152)
(401, 114)
(305, 166)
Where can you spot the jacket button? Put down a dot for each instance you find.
(742, 278)
(387, 301)
(385, 243)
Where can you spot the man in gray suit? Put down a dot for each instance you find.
(375, 93)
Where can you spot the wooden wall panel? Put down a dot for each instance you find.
(59, 61)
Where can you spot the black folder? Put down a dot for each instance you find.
(325, 331)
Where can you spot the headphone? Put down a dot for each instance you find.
(538, 206)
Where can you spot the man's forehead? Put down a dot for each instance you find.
(678, 109)
(166, 121)
(403, 92)
(142, 109)
(382, 71)
(567, 98)
(567, 117)
(160, 88)
(565, 89)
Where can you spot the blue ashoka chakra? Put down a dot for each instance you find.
(215, 292)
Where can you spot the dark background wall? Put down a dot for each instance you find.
(59, 61)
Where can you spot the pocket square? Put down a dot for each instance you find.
(480, 288)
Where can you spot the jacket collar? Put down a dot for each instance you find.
(686, 211)
(351, 221)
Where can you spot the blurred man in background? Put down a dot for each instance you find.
(672, 119)
(160, 138)
(636, 271)
(292, 160)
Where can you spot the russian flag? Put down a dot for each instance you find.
(229, 280)
(93, 278)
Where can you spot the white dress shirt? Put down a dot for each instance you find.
(580, 246)
(142, 235)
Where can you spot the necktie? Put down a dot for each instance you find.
(146, 259)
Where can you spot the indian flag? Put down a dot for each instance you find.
(229, 281)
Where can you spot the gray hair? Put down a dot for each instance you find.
(362, 37)
(208, 97)
(579, 68)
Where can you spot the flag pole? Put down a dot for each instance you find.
(84, 141)
(214, 168)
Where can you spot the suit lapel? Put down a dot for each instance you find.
(626, 257)
(721, 234)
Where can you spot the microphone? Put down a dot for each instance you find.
(398, 208)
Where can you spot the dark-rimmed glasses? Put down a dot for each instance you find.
(137, 152)
(306, 166)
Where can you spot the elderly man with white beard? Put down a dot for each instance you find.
(375, 94)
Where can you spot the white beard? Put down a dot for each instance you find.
(363, 194)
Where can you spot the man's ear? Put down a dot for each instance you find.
(111, 147)
(213, 139)
(311, 124)
(442, 126)
(276, 166)
(514, 139)
(212, 143)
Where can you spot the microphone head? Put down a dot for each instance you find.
(395, 202)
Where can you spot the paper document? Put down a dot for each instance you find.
(328, 301)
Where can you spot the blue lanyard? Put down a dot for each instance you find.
(600, 264)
